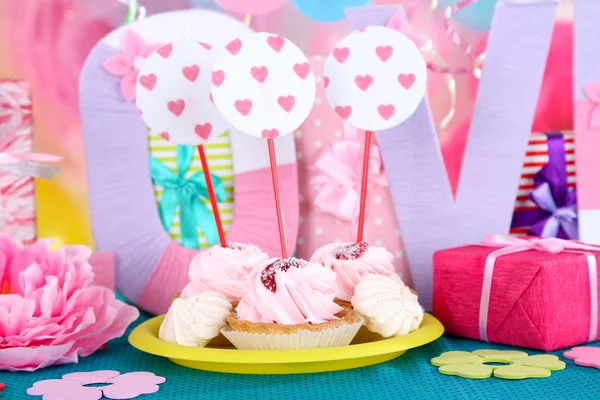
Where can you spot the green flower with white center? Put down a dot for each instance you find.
(519, 365)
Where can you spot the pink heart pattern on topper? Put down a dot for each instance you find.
(363, 81)
(259, 73)
(176, 107)
(148, 81)
(165, 51)
(276, 42)
(174, 89)
(286, 102)
(243, 106)
(191, 72)
(234, 46)
(377, 78)
(302, 70)
(272, 95)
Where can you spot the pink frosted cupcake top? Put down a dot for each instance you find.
(223, 270)
(289, 291)
(353, 261)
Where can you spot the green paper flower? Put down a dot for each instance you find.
(519, 365)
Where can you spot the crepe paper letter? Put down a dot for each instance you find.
(586, 54)
(430, 219)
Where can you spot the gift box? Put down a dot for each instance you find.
(17, 199)
(330, 159)
(186, 211)
(546, 202)
(535, 293)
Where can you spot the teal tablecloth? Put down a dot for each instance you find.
(408, 377)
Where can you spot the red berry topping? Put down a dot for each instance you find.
(350, 251)
(267, 277)
(235, 245)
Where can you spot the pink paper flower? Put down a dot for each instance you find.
(340, 173)
(584, 356)
(72, 386)
(50, 313)
(128, 63)
(592, 92)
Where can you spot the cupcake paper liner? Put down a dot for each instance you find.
(340, 335)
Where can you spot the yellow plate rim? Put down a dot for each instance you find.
(144, 338)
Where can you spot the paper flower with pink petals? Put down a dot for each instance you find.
(584, 356)
(50, 313)
(128, 63)
(72, 386)
(592, 92)
(339, 175)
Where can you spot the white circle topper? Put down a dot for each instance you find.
(375, 78)
(173, 93)
(263, 85)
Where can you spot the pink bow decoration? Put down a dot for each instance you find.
(592, 92)
(399, 22)
(510, 245)
(129, 62)
(339, 177)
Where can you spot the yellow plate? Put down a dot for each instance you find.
(230, 360)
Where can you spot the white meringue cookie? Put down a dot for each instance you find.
(195, 321)
(388, 306)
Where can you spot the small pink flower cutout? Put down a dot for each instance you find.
(72, 386)
(584, 356)
(128, 63)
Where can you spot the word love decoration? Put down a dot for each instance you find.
(375, 78)
(173, 93)
(263, 85)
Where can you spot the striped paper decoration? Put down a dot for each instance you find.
(535, 159)
(218, 152)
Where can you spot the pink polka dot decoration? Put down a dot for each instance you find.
(254, 7)
(173, 93)
(375, 78)
(324, 135)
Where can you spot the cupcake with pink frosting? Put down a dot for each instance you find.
(223, 269)
(352, 262)
(289, 304)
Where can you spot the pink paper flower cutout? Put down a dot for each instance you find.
(584, 356)
(128, 63)
(50, 313)
(71, 386)
(592, 92)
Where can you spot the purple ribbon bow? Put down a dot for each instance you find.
(557, 213)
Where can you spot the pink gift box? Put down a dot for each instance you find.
(537, 299)
(17, 197)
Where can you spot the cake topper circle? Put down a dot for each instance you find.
(173, 93)
(375, 78)
(263, 85)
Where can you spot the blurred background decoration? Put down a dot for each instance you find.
(46, 42)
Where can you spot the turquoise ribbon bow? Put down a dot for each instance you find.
(185, 194)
